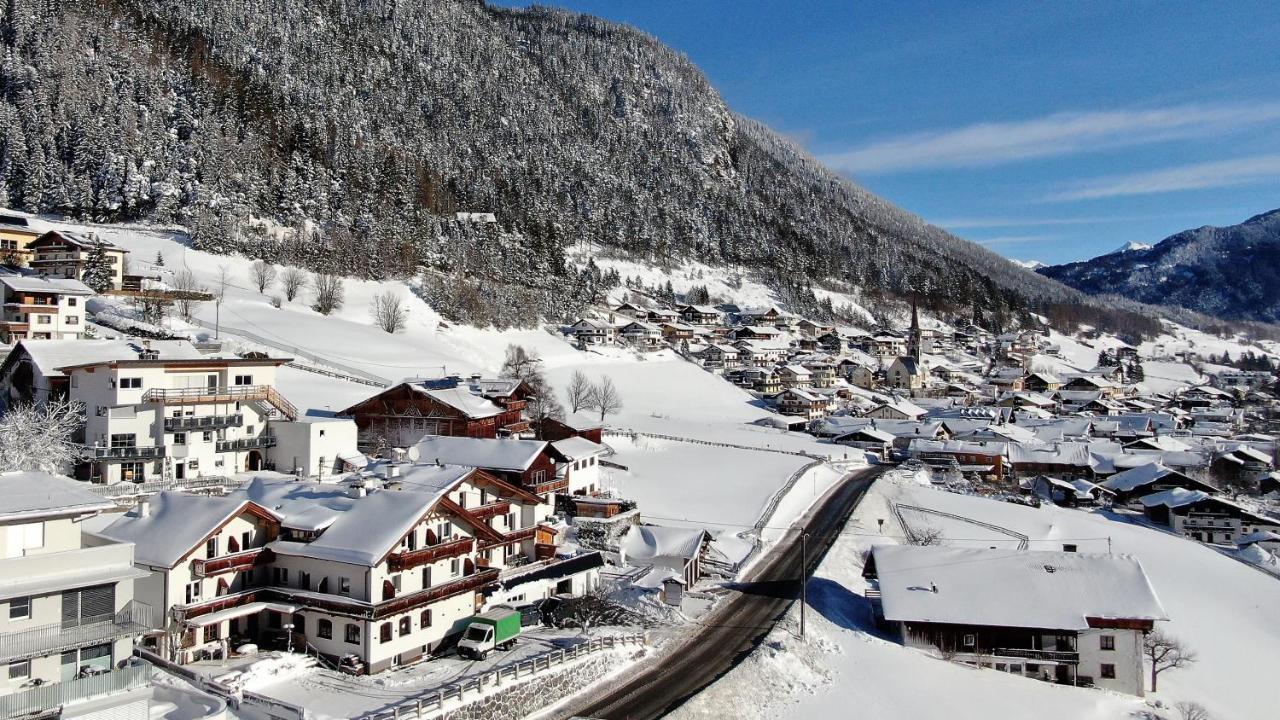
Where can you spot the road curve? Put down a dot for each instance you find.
(739, 624)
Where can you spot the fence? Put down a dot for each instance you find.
(434, 702)
(128, 489)
(134, 618)
(55, 695)
(351, 373)
(633, 434)
(1023, 540)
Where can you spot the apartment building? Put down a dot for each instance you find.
(62, 253)
(42, 308)
(17, 232)
(66, 601)
(148, 417)
(381, 569)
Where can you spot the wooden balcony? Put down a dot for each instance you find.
(235, 562)
(410, 559)
(469, 583)
(204, 422)
(549, 486)
(493, 509)
(223, 394)
(511, 537)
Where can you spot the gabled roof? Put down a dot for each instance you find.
(648, 542)
(1011, 588)
(1071, 454)
(42, 284)
(82, 241)
(50, 356)
(461, 399)
(1142, 475)
(576, 448)
(505, 454)
(175, 524)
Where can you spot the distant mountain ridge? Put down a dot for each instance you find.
(1230, 272)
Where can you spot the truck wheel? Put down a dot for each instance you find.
(483, 655)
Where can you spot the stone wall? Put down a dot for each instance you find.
(546, 688)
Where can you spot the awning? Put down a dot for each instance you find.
(243, 610)
(46, 584)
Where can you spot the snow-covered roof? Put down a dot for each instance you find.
(648, 542)
(50, 356)
(499, 454)
(33, 494)
(910, 409)
(1073, 454)
(1257, 537)
(870, 432)
(173, 525)
(460, 399)
(802, 393)
(1161, 442)
(1174, 497)
(1011, 588)
(82, 240)
(37, 283)
(576, 448)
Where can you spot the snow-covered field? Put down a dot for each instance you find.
(1222, 608)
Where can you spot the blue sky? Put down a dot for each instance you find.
(1046, 131)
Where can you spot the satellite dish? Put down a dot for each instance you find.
(413, 454)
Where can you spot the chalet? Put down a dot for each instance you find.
(793, 376)
(907, 373)
(632, 311)
(667, 551)
(1231, 379)
(1035, 614)
(869, 440)
(809, 328)
(831, 342)
(896, 409)
(592, 332)
(719, 357)
(1199, 516)
(763, 380)
(796, 401)
(759, 353)
(885, 345)
(981, 459)
(1022, 400)
(1093, 383)
(387, 571)
(1041, 382)
(42, 308)
(865, 376)
(1240, 465)
(572, 426)
(1138, 482)
(1061, 459)
(17, 232)
(400, 415)
(581, 464)
(677, 331)
(756, 333)
(642, 335)
(822, 373)
(700, 315)
(660, 316)
(528, 464)
(65, 254)
(1070, 493)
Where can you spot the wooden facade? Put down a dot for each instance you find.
(400, 416)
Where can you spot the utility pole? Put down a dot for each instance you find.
(804, 578)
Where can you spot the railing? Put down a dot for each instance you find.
(224, 393)
(102, 452)
(1049, 655)
(548, 486)
(204, 422)
(484, 512)
(468, 583)
(235, 562)
(410, 559)
(128, 489)
(253, 443)
(135, 675)
(134, 618)
(433, 702)
(513, 536)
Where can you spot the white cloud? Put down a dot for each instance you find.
(1014, 239)
(994, 143)
(1198, 176)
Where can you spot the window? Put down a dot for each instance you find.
(1108, 642)
(20, 670)
(243, 380)
(426, 577)
(425, 620)
(124, 440)
(344, 586)
(282, 576)
(211, 632)
(1108, 671)
(72, 302)
(384, 633)
(193, 592)
(180, 438)
(133, 383)
(406, 625)
(73, 319)
(20, 608)
(1069, 548)
(211, 548)
(324, 628)
(352, 634)
(970, 641)
(44, 319)
(453, 567)
(22, 538)
(304, 580)
(207, 436)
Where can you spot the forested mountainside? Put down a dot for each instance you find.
(344, 134)
(1230, 272)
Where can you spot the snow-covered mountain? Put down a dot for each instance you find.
(1029, 264)
(1131, 246)
(1231, 272)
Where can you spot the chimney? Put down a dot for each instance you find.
(357, 490)
(143, 509)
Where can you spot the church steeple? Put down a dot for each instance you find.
(913, 337)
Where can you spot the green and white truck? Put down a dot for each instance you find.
(495, 630)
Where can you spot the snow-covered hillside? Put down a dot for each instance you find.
(1220, 607)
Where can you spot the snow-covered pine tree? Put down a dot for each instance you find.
(97, 273)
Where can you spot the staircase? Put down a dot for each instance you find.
(279, 402)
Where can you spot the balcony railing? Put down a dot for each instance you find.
(548, 486)
(222, 394)
(103, 452)
(435, 593)
(235, 562)
(253, 443)
(134, 618)
(1062, 656)
(410, 559)
(484, 512)
(203, 422)
(511, 537)
(135, 675)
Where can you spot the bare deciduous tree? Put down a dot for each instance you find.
(329, 293)
(152, 305)
(1193, 711)
(187, 287)
(1166, 652)
(34, 438)
(520, 363)
(292, 280)
(389, 312)
(580, 392)
(224, 279)
(925, 537)
(605, 400)
(263, 274)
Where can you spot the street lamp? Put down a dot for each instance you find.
(288, 637)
